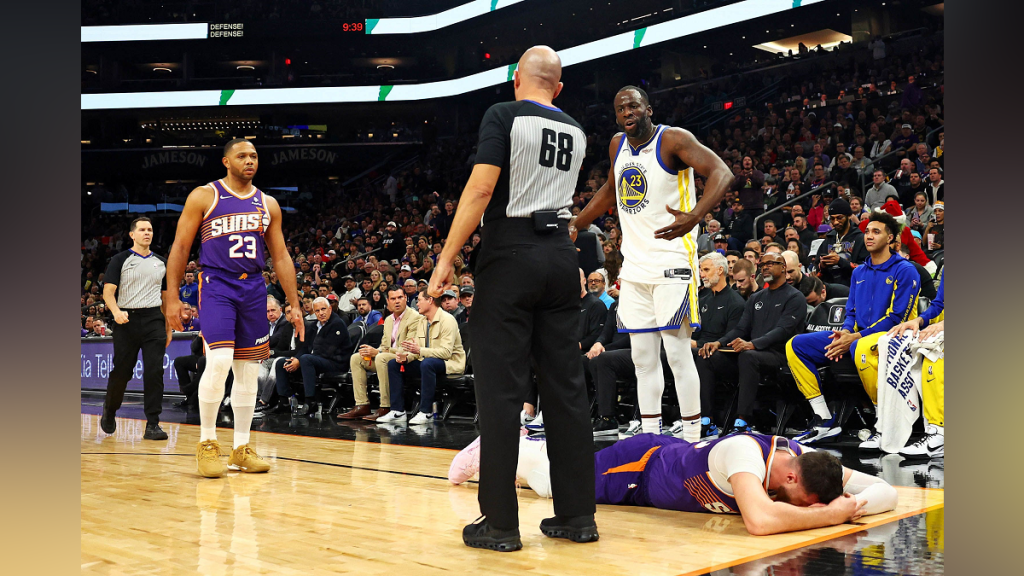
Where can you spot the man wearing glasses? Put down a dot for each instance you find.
(843, 248)
(770, 318)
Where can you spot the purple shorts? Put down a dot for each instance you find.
(234, 313)
(619, 469)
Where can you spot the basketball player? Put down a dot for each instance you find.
(651, 183)
(777, 485)
(237, 220)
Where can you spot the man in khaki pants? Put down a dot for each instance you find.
(401, 325)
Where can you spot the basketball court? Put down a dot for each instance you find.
(370, 505)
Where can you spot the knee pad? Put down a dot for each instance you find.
(211, 385)
(247, 374)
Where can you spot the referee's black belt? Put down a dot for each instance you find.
(524, 225)
(151, 309)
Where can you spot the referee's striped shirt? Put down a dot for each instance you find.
(539, 149)
(139, 279)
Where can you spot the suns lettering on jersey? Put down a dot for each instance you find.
(633, 188)
(235, 223)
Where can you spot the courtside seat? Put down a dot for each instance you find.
(840, 380)
(334, 384)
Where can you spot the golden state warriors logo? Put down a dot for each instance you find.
(633, 189)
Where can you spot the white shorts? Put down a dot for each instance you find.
(656, 307)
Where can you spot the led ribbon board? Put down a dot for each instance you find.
(436, 21)
(145, 32)
(617, 44)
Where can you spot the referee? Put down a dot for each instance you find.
(527, 303)
(135, 279)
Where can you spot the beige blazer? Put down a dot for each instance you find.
(407, 330)
(445, 342)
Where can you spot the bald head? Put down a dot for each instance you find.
(540, 68)
(794, 275)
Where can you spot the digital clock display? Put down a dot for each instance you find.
(353, 27)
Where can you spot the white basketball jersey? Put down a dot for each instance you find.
(643, 187)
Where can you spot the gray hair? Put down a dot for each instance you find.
(321, 299)
(272, 300)
(716, 259)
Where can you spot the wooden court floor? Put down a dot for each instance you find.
(341, 507)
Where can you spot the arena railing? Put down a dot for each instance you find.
(791, 201)
(877, 161)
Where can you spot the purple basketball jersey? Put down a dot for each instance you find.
(232, 232)
(677, 477)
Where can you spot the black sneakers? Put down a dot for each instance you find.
(481, 535)
(606, 426)
(107, 422)
(154, 432)
(576, 528)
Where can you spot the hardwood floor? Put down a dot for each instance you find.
(337, 506)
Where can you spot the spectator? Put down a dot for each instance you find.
(861, 162)
(410, 291)
(466, 293)
(607, 362)
(741, 226)
(906, 139)
(795, 275)
(189, 323)
(857, 210)
(592, 315)
(325, 349)
(934, 234)
(721, 310)
(188, 370)
(595, 286)
(843, 246)
(436, 350)
(877, 47)
(845, 174)
(916, 185)
(189, 292)
(879, 191)
(770, 319)
(920, 214)
(936, 186)
(747, 187)
(399, 326)
(807, 234)
(450, 301)
(347, 299)
(705, 241)
(365, 312)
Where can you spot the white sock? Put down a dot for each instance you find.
(691, 430)
(820, 408)
(650, 424)
(211, 390)
(243, 398)
(940, 430)
(208, 416)
(243, 419)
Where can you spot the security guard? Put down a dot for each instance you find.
(135, 279)
(528, 160)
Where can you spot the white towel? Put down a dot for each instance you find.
(933, 348)
(899, 391)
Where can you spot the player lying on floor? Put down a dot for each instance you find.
(776, 484)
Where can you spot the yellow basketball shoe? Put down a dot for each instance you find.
(245, 459)
(208, 459)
